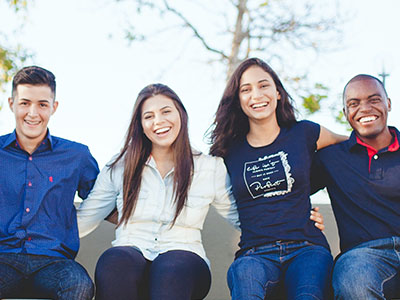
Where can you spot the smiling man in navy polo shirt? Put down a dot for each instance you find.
(39, 177)
(363, 180)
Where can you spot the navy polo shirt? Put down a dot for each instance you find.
(37, 195)
(364, 188)
(271, 185)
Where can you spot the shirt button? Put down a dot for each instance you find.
(375, 156)
(20, 234)
(27, 209)
(29, 239)
(155, 239)
(30, 157)
(29, 183)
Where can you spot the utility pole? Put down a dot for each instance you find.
(383, 74)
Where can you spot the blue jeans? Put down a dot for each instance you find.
(303, 268)
(368, 271)
(25, 275)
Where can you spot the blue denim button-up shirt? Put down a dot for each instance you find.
(37, 213)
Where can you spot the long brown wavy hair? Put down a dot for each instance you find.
(137, 149)
(231, 122)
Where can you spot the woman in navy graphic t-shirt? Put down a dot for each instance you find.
(268, 155)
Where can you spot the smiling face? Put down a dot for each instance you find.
(161, 121)
(366, 108)
(258, 95)
(32, 106)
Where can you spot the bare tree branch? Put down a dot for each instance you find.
(259, 27)
(194, 30)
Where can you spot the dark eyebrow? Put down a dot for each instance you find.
(375, 95)
(25, 99)
(370, 96)
(166, 106)
(351, 99)
(262, 80)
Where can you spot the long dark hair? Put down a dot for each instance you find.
(137, 149)
(231, 122)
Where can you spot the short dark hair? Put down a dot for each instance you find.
(363, 77)
(36, 76)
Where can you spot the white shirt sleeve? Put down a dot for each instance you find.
(100, 202)
(224, 201)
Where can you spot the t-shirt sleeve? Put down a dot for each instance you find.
(311, 131)
(317, 174)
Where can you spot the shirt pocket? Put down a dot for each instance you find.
(194, 212)
(144, 209)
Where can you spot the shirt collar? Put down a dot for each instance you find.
(152, 163)
(355, 142)
(12, 140)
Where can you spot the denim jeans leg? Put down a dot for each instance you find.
(252, 277)
(64, 279)
(10, 279)
(308, 274)
(361, 272)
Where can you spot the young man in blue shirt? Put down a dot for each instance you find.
(39, 177)
(362, 176)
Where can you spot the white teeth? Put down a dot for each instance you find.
(32, 122)
(162, 130)
(368, 119)
(258, 105)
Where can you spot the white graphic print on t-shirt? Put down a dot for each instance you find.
(268, 176)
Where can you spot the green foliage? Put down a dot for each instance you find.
(11, 57)
(341, 119)
(312, 102)
(18, 5)
(10, 61)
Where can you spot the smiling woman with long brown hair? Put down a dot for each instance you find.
(162, 190)
(268, 155)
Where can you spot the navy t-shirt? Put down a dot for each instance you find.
(271, 185)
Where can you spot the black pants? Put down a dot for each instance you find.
(123, 273)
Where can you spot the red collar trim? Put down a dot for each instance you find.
(395, 145)
(392, 147)
(369, 148)
(372, 151)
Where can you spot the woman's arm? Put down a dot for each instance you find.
(99, 204)
(224, 201)
(327, 137)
